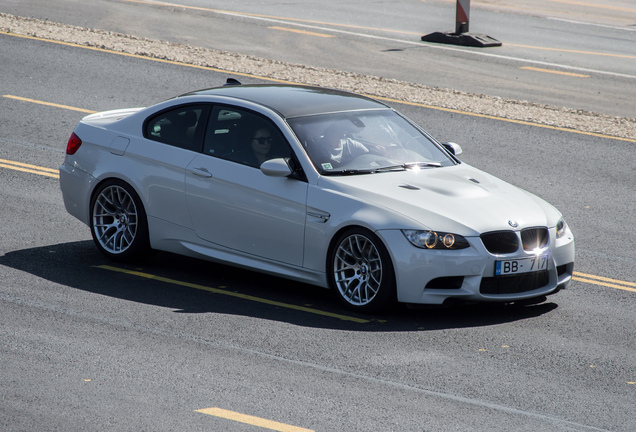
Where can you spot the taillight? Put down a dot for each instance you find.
(74, 143)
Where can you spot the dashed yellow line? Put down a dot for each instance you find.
(33, 169)
(302, 32)
(234, 294)
(251, 420)
(536, 69)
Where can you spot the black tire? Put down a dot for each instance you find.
(118, 222)
(360, 271)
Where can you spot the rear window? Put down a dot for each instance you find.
(181, 127)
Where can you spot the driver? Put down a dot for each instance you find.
(335, 148)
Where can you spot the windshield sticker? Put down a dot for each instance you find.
(326, 166)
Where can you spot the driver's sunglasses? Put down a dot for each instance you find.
(263, 140)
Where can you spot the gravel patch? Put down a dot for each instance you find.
(578, 120)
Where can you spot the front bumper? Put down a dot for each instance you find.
(435, 276)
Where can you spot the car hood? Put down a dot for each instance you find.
(459, 199)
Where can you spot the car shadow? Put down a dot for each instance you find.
(193, 286)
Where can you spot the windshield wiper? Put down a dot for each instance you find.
(353, 171)
(410, 165)
(401, 167)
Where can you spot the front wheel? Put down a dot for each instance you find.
(118, 222)
(360, 271)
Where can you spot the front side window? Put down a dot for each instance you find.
(366, 142)
(244, 137)
(180, 127)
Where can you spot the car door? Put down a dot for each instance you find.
(157, 162)
(232, 203)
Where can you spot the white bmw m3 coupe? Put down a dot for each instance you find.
(316, 185)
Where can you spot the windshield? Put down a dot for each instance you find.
(360, 142)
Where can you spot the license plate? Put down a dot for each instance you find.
(524, 265)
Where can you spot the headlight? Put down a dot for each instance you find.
(561, 228)
(435, 240)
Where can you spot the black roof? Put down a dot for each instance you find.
(295, 100)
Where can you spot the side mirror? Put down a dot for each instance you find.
(276, 168)
(452, 147)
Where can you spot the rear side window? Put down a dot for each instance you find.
(182, 127)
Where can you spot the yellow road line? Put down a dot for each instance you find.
(33, 169)
(620, 287)
(601, 278)
(535, 69)
(23, 99)
(50, 170)
(233, 294)
(251, 420)
(302, 32)
(603, 281)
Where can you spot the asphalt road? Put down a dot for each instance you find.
(88, 345)
(574, 54)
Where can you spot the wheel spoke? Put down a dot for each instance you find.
(352, 291)
(345, 265)
(123, 241)
(107, 211)
(111, 240)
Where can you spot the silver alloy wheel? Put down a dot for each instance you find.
(115, 219)
(357, 270)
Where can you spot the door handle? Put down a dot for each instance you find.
(201, 172)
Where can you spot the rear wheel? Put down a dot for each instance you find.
(118, 222)
(361, 272)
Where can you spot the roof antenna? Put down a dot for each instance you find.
(231, 82)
